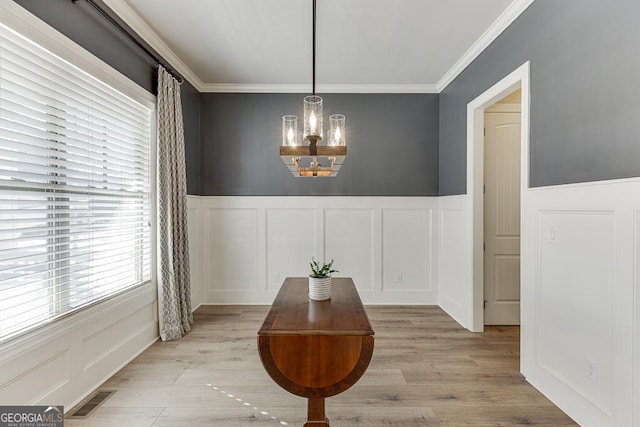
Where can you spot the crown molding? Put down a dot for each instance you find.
(499, 25)
(377, 88)
(133, 20)
(320, 88)
(128, 15)
(254, 88)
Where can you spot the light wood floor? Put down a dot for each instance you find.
(426, 371)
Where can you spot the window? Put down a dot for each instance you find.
(75, 205)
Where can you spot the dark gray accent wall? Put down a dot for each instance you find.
(89, 29)
(392, 144)
(585, 92)
(85, 26)
(191, 117)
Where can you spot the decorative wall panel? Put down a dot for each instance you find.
(454, 283)
(30, 380)
(348, 238)
(407, 245)
(291, 239)
(231, 250)
(575, 290)
(579, 342)
(249, 245)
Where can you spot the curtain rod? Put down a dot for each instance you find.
(142, 47)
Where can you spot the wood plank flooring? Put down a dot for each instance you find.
(426, 371)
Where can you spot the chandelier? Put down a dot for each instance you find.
(324, 156)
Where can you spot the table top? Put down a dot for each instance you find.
(293, 313)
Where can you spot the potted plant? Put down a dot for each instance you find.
(320, 280)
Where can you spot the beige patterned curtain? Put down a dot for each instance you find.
(174, 288)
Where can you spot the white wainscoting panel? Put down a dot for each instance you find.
(97, 346)
(454, 287)
(578, 297)
(250, 244)
(231, 250)
(349, 240)
(291, 237)
(63, 362)
(576, 265)
(23, 382)
(407, 246)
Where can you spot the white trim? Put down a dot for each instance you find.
(475, 170)
(133, 20)
(254, 88)
(128, 15)
(320, 88)
(25, 23)
(615, 181)
(510, 14)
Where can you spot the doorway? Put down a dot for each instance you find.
(518, 79)
(502, 211)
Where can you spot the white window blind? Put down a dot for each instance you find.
(74, 187)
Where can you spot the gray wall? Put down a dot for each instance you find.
(392, 144)
(191, 116)
(584, 109)
(85, 26)
(232, 139)
(585, 95)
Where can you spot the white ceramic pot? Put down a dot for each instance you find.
(319, 288)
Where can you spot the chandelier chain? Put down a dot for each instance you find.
(313, 74)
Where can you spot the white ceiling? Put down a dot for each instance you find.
(362, 45)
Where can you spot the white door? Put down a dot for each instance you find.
(502, 218)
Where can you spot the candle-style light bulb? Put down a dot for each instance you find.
(312, 122)
(290, 136)
(337, 136)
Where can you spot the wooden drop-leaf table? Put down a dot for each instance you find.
(316, 349)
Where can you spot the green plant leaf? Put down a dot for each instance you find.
(318, 271)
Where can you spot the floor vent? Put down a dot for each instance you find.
(90, 405)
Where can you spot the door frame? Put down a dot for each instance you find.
(519, 78)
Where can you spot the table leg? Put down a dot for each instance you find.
(316, 416)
